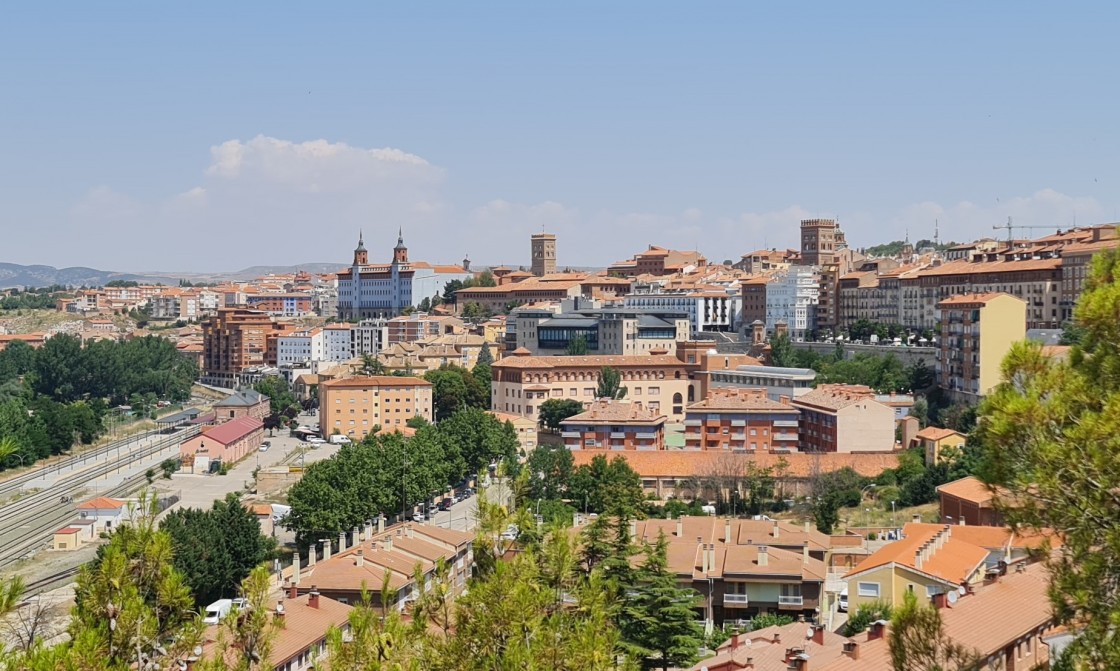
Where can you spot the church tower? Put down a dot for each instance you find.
(400, 252)
(361, 257)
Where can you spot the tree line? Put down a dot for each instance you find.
(62, 392)
(387, 473)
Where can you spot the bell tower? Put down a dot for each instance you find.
(361, 257)
(400, 252)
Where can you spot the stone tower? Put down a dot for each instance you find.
(544, 254)
(818, 241)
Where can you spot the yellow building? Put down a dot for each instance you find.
(934, 439)
(353, 406)
(927, 561)
(977, 330)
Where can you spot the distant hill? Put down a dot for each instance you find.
(16, 275)
(260, 271)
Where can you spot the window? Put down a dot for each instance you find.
(572, 391)
(654, 391)
(870, 589)
(754, 432)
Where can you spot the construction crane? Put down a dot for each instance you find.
(1009, 228)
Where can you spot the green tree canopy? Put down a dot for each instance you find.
(607, 486)
(610, 384)
(556, 410)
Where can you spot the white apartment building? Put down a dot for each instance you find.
(791, 296)
(337, 343)
(367, 336)
(299, 348)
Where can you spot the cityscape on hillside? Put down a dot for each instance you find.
(718, 337)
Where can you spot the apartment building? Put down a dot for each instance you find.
(856, 291)
(280, 304)
(548, 288)
(615, 425)
(766, 260)
(977, 331)
(367, 336)
(234, 340)
(658, 261)
(741, 420)
(776, 381)
(353, 406)
(521, 381)
(347, 567)
(791, 297)
(844, 418)
(743, 568)
(419, 325)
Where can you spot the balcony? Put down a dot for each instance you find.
(791, 601)
(785, 436)
(738, 600)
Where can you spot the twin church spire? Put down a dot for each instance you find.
(400, 252)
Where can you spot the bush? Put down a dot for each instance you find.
(770, 620)
(863, 616)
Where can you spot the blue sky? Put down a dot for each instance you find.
(214, 136)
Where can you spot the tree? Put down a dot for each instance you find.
(216, 549)
(918, 642)
(455, 388)
(610, 384)
(920, 376)
(481, 373)
(920, 410)
(769, 620)
(657, 622)
(449, 290)
(607, 486)
(475, 312)
(577, 346)
(245, 636)
(132, 601)
(371, 365)
(1049, 436)
(556, 410)
(474, 439)
(282, 402)
(550, 472)
(782, 353)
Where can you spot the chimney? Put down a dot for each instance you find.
(293, 592)
(341, 542)
(784, 399)
(380, 524)
(735, 641)
(777, 638)
(805, 552)
(359, 559)
(355, 538)
(960, 521)
(633, 528)
(311, 555)
(389, 543)
(807, 527)
(876, 630)
(940, 600)
(295, 568)
(326, 549)
(704, 557)
(727, 531)
(918, 559)
(680, 527)
(313, 597)
(851, 649)
(775, 528)
(278, 617)
(916, 518)
(712, 557)
(818, 634)
(409, 532)
(763, 556)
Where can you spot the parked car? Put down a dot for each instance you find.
(264, 447)
(843, 603)
(316, 440)
(444, 504)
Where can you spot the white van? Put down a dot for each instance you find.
(220, 608)
(339, 439)
(843, 603)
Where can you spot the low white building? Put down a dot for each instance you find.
(707, 311)
(106, 513)
(337, 342)
(299, 348)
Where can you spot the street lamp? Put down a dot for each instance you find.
(894, 520)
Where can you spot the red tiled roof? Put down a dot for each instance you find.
(685, 463)
(937, 433)
(102, 503)
(233, 430)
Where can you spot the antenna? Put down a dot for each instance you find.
(936, 235)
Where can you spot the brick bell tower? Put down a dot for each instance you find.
(361, 257)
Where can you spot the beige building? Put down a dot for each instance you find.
(544, 253)
(977, 330)
(521, 382)
(844, 418)
(353, 406)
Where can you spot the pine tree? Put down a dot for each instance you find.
(610, 384)
(659, 623)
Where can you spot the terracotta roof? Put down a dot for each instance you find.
(376, 381)
(606, 411)
(969, 489)
(685, 463)
(949, 558)
(963, 267)
(233, 430)
(68, 530)
(102, 503)
(969, 299)
(937, 433)
(732, 399)
(768, 648)
(835, 396)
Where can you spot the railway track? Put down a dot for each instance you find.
(13, 485)
(27, 524)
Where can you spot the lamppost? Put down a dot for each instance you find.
(894, 519)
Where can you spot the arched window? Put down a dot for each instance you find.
(691, 394)
(677, 398)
